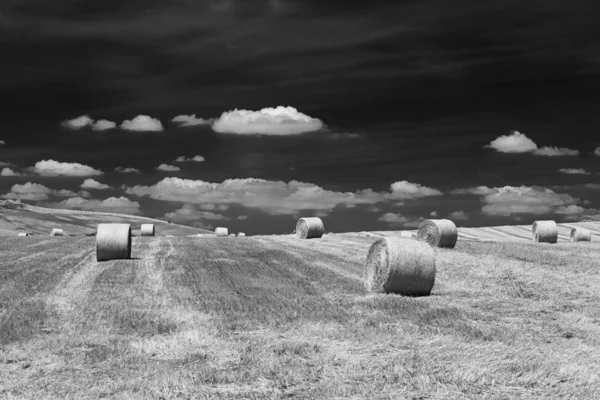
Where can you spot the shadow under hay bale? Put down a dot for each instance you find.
(402, 266)
(147, 230)
(438, 233)
(113, 242)
(222, 232)
(544, 232)
(309, 228)
(581, 235)
(57, 232)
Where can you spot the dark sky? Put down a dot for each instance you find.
(405, 91)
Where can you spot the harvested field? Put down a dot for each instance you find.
(277, 317)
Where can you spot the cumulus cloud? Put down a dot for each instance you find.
(168, 168)
(142, 123)
(190, 120)
(103, 125)
(28, 191)
(111, 204)
(273, 197)
(268, 121)
(433, 214)
(188, 214)
(9, 172)
(399, 220)
(124, 170)
(597, 151)
(569, 210)
(517, 142)
(77, 123)
(2, 142)
(458, 216)
(93, 184)
(196, 158)
(64, 193)
(56, 168)
(574, 171)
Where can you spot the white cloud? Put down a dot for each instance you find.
(433, 214)
(142, 123)
(2, 142)
(103, 125)
(9, 172)
(78, 123)
(458, 216)
(399, 220)
(28, 191)
(408, 190)
(190, 120)
(64, 193)
(196, 158)
(569, 210)
(168, 168)
(574, 171)
(516, 142)
(127, 170)
(84, 193)
(597, 151)
(55, 168)
(111, 204)
(188, 213)
(268, 121)
(555, 151)
(478, 190)
(93, 184)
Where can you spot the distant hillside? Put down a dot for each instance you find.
(18, 217)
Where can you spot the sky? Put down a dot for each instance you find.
(252, 113)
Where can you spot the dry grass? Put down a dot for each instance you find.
(277, 317)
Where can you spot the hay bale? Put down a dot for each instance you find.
(147, 230)
(581, 235)
(222, 232)
(23, 234)
(396, 265)
(241, 234)
(544, 232)
(232, 235)
(113, 242)
(309, 228)
(57, 232)
(438, 233)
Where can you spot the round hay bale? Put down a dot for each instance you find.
(147, 230)
(544, 232)
(309, 228)
(232, 235)
(222, 232)
(581, 235)
(23, 234)
(438, 233)
(57, 232)
(241, 234)
(113, 242)
(396, 265)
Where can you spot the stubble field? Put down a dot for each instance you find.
(277, 317)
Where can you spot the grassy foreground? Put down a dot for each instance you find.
(276, 317)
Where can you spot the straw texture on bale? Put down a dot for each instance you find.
(309, 228)
(57, 232)
(581, 235)
(113, 242)
(396, 265)
(438, 233)
(222, 232)
(23, 234)
(147, 230)
(241, 234)
(544, 232)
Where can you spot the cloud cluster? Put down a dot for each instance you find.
(168, 168)
(56, 168)
(93, 184)
(126, 170)
(9, 172)
(142, 123)
(196, 158)
(85, 120)
(274, 197)
(597, 151)
(399, 220)
(458, 216)
(111, 204)
(517, 142)
(190, 120)
(574, 171)
(2, 143)
(189, 215)
(35, 192)
(268, 121)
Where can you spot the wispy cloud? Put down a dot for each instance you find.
(127, 170)
(574, 171)
(196, 158)
(190, 120)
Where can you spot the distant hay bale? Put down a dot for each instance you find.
(147, 230)
(406, 234)
(581, 235)
(309, 228)
(170, 236)
(241, 234)
(113, 242)
(57, 232)
(232, 235)
(438, 233)
(544, 232)
(222, 232)
(23, 234)
(396, 265)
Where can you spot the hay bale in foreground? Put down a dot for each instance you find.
(113, 242)
(222, 232)
(57, 232)
(438, 233)
(309, 228)
(241, 234)
(23, 234)
(147, 230)
(544, 232)
(581, 235)
(396, 265)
